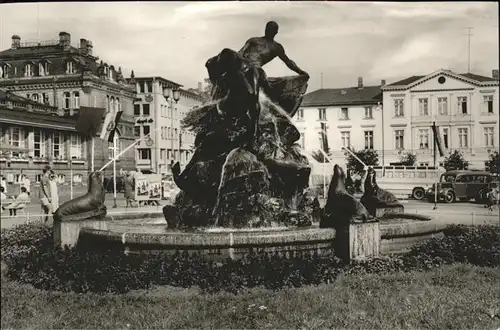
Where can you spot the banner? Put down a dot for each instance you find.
(437, 139)
(147, 187)
(110, 124)
(89, 120)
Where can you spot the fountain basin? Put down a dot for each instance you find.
(134, 234)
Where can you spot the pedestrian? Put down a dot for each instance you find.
(3, 183)
(45, 194)
(23, 197)
(492, 198)
(25, 182)
(129, 192)
(3, 198)
(54, 191)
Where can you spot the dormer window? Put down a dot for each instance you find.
(67, 100)
(28, 70)
(34, 97)
(76, 100)
(70, 67)
(43, 69)
(110, 73)
(4, 71)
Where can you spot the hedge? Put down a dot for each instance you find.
(29, 256)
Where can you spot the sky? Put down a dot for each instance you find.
(338, 41)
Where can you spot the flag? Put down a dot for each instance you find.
(325, 147)
(110, 124)
(437, 139)
(89, 120)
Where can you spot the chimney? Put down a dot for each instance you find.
(16, 41)
(64, 39)
(382, 82)
(360, 82)
(200, 88)
(494, 74)
(89, 47)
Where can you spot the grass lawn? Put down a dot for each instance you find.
(452, 297)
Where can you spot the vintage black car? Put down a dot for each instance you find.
(462, 185)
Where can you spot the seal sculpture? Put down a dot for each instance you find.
(341, 208)
(89, 206)
(377, 200)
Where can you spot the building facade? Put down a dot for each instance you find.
(464, 106)
(161, 118)
(32, 136)
(331, 119)
(67, 76)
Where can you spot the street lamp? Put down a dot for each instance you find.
(172, 95)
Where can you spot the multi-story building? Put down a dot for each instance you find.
(333, 118)
(161, 118)
(464, 106)
(67, 76)
(32, 136)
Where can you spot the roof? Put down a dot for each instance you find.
(472, 76)
(40, 50)
(23, 117)
(343, 96)
(157, 78)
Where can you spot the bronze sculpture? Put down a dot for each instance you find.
(89, 206)
(247, 169)
(341, 208)
(377, 200)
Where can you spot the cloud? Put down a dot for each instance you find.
(342, 40)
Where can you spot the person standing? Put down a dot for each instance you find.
(45, 194)
(54, 193)
(3, 183)
(129, 191)
(23, 197)
(25, 182)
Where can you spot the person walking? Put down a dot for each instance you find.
(45, 194)
(54, 192)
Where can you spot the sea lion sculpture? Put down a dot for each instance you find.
(89, 206)
(377, 200)
(341, 208)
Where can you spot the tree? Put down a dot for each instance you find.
(493, 164)
(455, 161)
(367, 156)
(408, 159)
(319, 157)
(207, 91)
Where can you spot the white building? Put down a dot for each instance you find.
(154, 114)
(464, 106)
(349, 116)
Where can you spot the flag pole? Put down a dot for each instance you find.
(92, 150)
(114, 170)
(435, 166)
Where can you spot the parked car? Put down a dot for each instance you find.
(462, 185)
(419, 192)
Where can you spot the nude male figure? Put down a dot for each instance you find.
(259, 51)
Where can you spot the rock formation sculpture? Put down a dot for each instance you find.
(89, 206)
(377, 200)
(341, 208)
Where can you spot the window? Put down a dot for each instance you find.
(300, 114)
(67, 100)
(368, 112)
(76, 100)
(488, 103)
(443, 106)
(144, 153)
(322, 113)
(34, 97)
(344, 113)
(137, 109)
(169, 130)
(70, 67)
(77, 178)
(162, 154)
(16, 137)
(368, 139)
(150, 87)
(3, 71)
(445, 137)
(145, 109)
(489, 137)
(41, 69)
(141, 87)
(146, 130)
(175, 136)
(28, 70)
(76, 150)
(111, 103)
(57, 145)
(345, 137)
(161, 132)
(463, 137)
(399, 108)
(302, 140)
(423, 137)
(423, 107)
(45, 98)
(462, 105)
(38, 144)
(399, 135)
